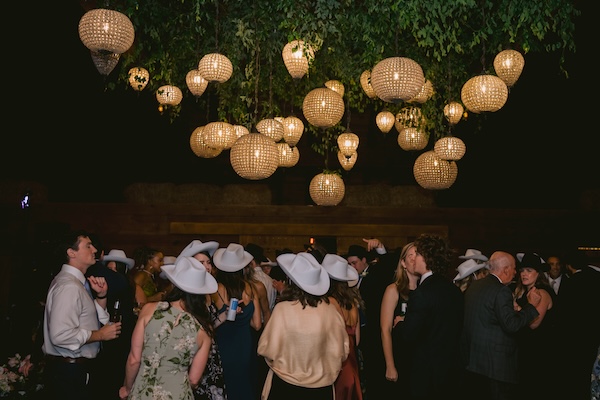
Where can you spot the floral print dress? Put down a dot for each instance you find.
(169, 346)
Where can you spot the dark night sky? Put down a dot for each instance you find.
(63, 129)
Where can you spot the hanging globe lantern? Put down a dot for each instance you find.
(453, 112)
(293, 128)
(347, 143)
(288, 156)
(365, 83)
(254, 156)
(484, 93)
(199, 147)
(385, 121)
(270, 128)
(219, 135)
(169, 95)
(424, 94)
(240, 130)
(347, 162)
(215, 67)
(397, 79)
(105, 62)
(409, 117)
(450, 148)
(297, 56)
(412, 139)
(196, 82)
(336, 86)
(431, 172)
(106, 31)
(508, 65)
(138, 78)
(327, 189)
(323, 108)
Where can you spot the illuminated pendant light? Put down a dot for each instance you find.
(106, 31)
(323, 108)
(453, 112)
(293, 128)
(240, 130)
(424, 94)
(297, 56)
(397, 79)
(412, 139)
(409, 117)
(327, 189)
(385, 121)
(365, 83)
(484, 93)
(288, 156)
(431, 172)
(348, 143)
(215, 67)
(105, 62)
(347, 162)
(138, 78)
(450, 148)
(270, 128)
(336, 86)
(169, 95)
(508, 65)
(196, 82)
(199, 147)
(254, 156)
(219, 135)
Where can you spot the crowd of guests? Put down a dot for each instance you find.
(226, 322)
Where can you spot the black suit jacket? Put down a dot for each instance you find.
(432, 327)
(489, 344)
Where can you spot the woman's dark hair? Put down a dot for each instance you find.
(195, 304)
(293, 292)
(345, 295)
(142, 255)
(234, 282)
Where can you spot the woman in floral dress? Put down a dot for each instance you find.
(172, 339)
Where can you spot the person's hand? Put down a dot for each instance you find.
(123, 392)
(111, 331)
(98, 285)
(391, 374)
(373, 244)
(534, 296)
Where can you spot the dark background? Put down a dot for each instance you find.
(64, 129)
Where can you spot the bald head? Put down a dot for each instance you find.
(502, 264)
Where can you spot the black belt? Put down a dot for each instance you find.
(69, 360)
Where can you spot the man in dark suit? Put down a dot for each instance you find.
(433, 323)
(488, 345)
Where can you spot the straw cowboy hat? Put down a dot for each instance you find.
(196, 246)
(338, 268)
(231, 259)
(189, 275)
(472, 254)
(468, 267)
(119, 256)
(304, 270)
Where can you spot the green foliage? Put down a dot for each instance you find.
(451, 40)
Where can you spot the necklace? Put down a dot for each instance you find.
(149, 273)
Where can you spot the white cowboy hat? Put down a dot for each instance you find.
(468, 267)
(189, 275)
(268, 263)
(167, 260)
(472, 254)
(304, 270)
(338, 268)
(231, 259)
(119, 256)
(196, 246)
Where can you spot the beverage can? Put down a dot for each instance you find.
(232, 312)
